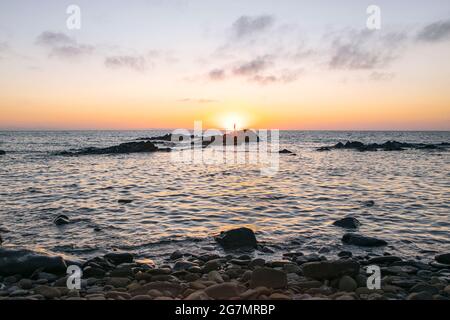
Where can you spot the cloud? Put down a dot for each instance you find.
(60, 45)
(434, 32)
(252, 67)
(217, 74)
(70, 52)
(202, 101)
(249, 25)
(137, 63)
(283, 76)
(365, 49)
(381, 76)
(52, 39)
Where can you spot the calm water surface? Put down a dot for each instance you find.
(183, 205)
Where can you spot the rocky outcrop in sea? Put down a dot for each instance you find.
(387, 146)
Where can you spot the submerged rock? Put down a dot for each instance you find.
(124, 201)
(129, 147)
(237, 238)
(61, 219)
(323, 270)
(443, 258)
(347, 222)
(369, 203)
(26, 262)
(362, 241)
(286, 151)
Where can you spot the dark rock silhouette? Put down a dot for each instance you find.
(286, 151)
(362, 241)
(129, 147)
(387, 146)
(26, 262)
(124, 201)
(237, 238)
(2, 152)
(443, 258)
(61, 220)
(119, 257)
(347, 222)
(369, 203)
(323, 270)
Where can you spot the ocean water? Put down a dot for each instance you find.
(182, 205)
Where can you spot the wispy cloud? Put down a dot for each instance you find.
(365, 49)
(249, 25)
(137, 63)
(252, 67)
(434, 32)
(381, 76)
(217, 74)
(60, 45)
(52, 39)
(200, 101)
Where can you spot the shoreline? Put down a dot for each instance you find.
(28, 275)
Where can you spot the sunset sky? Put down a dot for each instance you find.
(285, 64)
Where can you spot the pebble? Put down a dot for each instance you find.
(215, 276)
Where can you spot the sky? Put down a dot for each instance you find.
(284, 64)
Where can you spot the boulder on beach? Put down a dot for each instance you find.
(322, 270)
(269, 278)
(124, 148)
(347, 222)
(237, 238)
(443, 258)
(26, 262)
(362, 241)
(61, 219)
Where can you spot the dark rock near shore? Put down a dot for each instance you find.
(2, 152)
(166, 137)
(26, 262)
(237, 238)
(443, 258)
(384, 260)
(369, 203)
(387, 146)
(347, 222)
(129, 147)
(119, 257)
(124, 201)
(286, 151)
(362, 241)
(323, 270)
(269, 278)
(61, 219)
